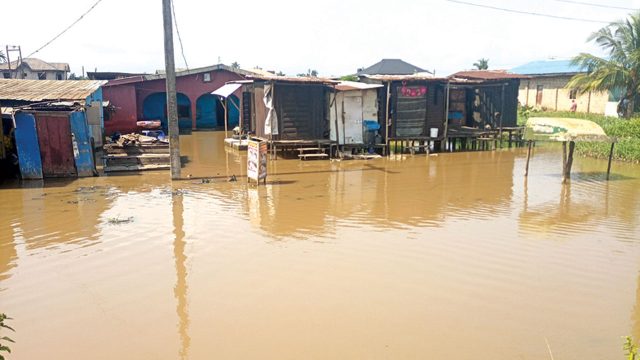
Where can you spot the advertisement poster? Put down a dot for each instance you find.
(257, 160)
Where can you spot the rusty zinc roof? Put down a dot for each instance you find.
(415, 77)
(297, 79)
(488, 75)
(43, 90)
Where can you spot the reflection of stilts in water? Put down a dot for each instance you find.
(180, 290)
(635, 315)
(565, 199)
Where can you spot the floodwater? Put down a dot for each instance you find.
(454, 256)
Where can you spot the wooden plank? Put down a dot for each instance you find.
(312, 156)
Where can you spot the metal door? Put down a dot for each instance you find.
(352, 131)
(27, 146)
(56, 144)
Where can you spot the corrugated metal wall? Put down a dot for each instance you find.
(56, 149)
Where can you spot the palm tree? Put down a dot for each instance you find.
(620, 69)
(235, 65)
(482, 64)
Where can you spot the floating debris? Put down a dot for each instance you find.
(119, 221)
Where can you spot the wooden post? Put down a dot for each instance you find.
(567, 170)
(172, 107)
(564, 157)
(610, 157)
(386, 125)
(446, 118)
(226, 117)
(526, 169)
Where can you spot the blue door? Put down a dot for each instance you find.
(206, 114)
(28, 146)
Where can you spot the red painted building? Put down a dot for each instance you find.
(143, 98)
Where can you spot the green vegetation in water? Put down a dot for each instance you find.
(4, 348)
(630, 348)
(627, 131)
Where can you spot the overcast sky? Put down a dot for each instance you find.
(334, 37)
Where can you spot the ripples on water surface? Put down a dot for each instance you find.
(453, 256)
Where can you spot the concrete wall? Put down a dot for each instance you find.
(556, 97)
(25, 72)
(128, 98)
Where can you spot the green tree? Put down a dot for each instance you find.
(280, 73)
(620, 69)
(73, 76)
(309, 73)
(3, 347)
(235, 65)
(349, 78)
(481, 64)
(3, 57)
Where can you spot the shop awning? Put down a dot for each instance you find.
(226, 90)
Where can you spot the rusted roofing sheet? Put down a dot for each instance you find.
(299, 79)
(42, 90)
(488, 75)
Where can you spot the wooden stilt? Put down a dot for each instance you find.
(564, 158)
(526, 169)
(610, 157)
(567, 174)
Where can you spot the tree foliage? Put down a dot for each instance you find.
(3, 57)
(481, 64)
(309, 73)
(620, 69)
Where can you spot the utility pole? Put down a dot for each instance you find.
(172, 108)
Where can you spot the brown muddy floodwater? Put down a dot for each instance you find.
(443, 257)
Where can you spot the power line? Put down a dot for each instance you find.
(67, 28)
(175, 21)
(597, 5)
(527, 12)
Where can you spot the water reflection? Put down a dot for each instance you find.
(385, 194)
(181, 288)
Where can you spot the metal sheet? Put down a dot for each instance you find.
(42, 90)
(226, 90)
(83, 157)
(28, 146)
(56, 145)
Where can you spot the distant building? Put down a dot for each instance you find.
(546, 89)
(34, 69)
(392, 67)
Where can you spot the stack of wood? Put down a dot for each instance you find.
(136, 140)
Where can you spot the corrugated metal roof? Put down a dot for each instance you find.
(547, 67)
(299, 79)
(352, 85)
(43, 90)
(487, 75)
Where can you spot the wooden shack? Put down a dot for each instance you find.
(413, 108)
(289, 113)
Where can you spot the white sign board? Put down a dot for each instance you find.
(257, 160)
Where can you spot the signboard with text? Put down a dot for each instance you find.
(257, 160)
